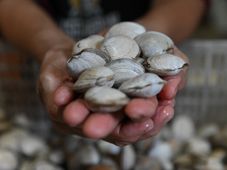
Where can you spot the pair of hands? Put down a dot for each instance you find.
(140, 119)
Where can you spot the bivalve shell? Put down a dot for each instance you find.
(165, 65)
(86, 59)
(92, 41)
(120, 47)
(97, 76)
(129, 29)
(105, 99)
(125, 69)
(154, 43)
(145, 85)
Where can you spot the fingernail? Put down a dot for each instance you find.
(149, 126)
(168, 113)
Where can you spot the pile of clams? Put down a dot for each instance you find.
(126, 63)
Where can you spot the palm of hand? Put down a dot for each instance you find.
(140, 119)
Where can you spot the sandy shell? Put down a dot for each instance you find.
(120, 47)
(129, 29)
(125, 69)
(92, 41)
(165, 65)
(86, 59)
(97, 76)
(105, 99)
(145, 85)
(154, 43)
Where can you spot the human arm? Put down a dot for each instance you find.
(33, 31)
(176, 18)
(26, 26)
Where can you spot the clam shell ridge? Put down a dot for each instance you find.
(86, 59)
(97, 76)
(120, 47)
(165, 65)
(145, 85)
(125, 69)
(154, 43)
(105, 99)
(92, 41)
(129, 29)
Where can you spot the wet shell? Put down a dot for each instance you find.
(97, 76)
(125, 69)
(129, 29)
(139, 60)
(105, 99)
(146, 85)
(154, 43)
(120, 47)
(92, 41)
(86, 59)
(165, 65)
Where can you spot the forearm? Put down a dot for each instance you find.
(176, 18)
(26, 26)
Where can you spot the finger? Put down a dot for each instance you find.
(75, 113)
(180, 54)
(167, 102)
(183, 80)
(128, 132)
(163, 115)
(63, 94)
(99, 125)
(169, 91)
(141, 109)
(136, 129)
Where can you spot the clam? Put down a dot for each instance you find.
(97, 76)
(105, 99)
(88, 58)
(165, 65)
(129, 29)
(125, 69)
(92, 41)
(154, 43)
(145, 85)
(120, 47)
(139, 60)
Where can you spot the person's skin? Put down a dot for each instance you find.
(31, 29)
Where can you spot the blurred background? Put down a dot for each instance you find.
(201, 105)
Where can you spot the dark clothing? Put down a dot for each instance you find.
(127, 9)
(80, 18)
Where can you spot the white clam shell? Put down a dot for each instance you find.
(97, 76)
(128, 157)
(8, 160)
(92, 41)
(86, 59)
(105, 99)
(125, 69)
(120, 47)
(129, 29)
(145, 85)
(154, 43)
(165, 65)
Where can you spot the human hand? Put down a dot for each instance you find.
(144, 118)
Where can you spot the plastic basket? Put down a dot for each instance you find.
(205, 95)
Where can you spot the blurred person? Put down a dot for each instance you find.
(48, 30)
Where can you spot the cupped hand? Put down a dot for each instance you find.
(140, 119)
